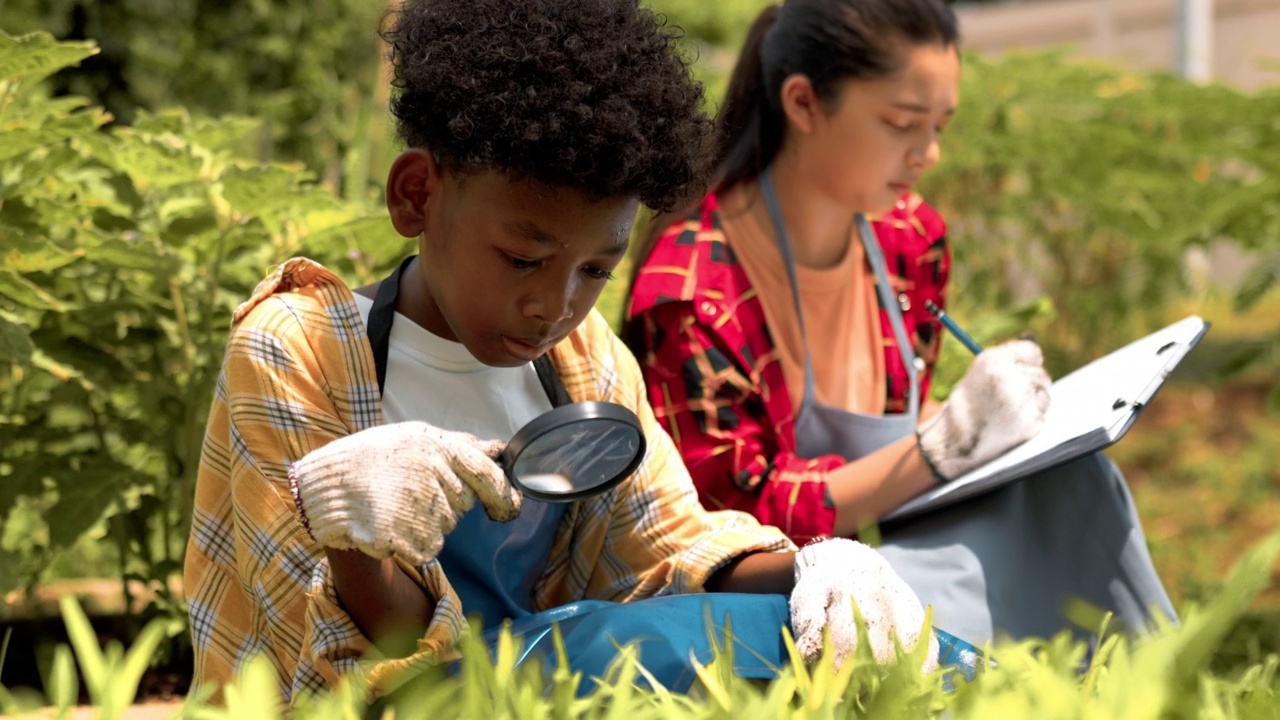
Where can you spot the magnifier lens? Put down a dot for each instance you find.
(575, 451)
(577, 457)
(546, 482)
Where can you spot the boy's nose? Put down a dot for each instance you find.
(552, 304)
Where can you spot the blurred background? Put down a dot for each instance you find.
(1114, 166)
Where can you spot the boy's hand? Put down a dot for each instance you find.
(999, 404)
(399, 489)
(831, 575)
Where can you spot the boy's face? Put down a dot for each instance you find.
(510, 267)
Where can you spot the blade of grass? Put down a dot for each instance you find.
(124, 686)
(63, 682)
(85, 643)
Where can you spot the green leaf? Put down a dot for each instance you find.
(38, 55)
(24, 292)
(256, 191)
(85, 641)
(1260, 281)
(61, 371)
(222, 133)
(1251, 574)
(15, 342)
(114, 252)
(1239, 360)
(211, 133)
(157, 161)
(18, 138)
(25, 254)
(124, 684)
(63, 682)
(86, 497)
(256, 692)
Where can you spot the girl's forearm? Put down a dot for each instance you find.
(865, 490)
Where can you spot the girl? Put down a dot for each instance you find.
(787, 348)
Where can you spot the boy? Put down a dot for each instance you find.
(329, 481)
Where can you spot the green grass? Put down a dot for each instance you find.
(1166, 675)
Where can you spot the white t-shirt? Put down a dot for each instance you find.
(492, 566)
(439, 382)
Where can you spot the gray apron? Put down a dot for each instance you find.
(1008, 562)
(822, 429)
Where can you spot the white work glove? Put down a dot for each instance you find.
(999, 404)
(831, 575)
(399, 489)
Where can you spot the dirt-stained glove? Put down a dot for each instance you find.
(999, 404)
(399, 489)
(831, 575)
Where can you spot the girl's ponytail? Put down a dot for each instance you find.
(749, 126)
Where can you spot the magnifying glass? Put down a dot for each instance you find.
(574, 451)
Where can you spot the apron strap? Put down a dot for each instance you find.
(552, 385)
(884, 291)
(383, 313)
(875, 255)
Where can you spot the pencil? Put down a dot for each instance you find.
(951, 325)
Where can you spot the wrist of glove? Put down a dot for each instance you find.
(833, 575)
(999, 404)
(398, 489)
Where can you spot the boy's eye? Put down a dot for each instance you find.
(900, 127)
(520, 263)
(596, 273)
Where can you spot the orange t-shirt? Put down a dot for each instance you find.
(841, 314)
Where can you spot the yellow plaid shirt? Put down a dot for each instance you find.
(298, 374)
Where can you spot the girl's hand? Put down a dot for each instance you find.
(399, 489)
(999, 404)
(832, 575)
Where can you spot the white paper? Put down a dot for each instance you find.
(1089, 409)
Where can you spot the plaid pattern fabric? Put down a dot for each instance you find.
(298, 374)
(715, 379)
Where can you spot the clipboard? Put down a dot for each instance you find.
(1089, 410)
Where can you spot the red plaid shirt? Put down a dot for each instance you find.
(715, 379)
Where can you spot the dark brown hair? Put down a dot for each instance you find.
(828, 41)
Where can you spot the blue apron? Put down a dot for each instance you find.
(493, 567)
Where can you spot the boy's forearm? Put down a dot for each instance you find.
(386, 605)
(756, 573)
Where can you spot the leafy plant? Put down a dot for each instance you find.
(1088, 184)
(1162, 676)
(309, 71)
(124, 253)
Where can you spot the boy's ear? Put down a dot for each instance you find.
(800, 103)
(413, 177)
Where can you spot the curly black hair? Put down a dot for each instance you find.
(593, 95)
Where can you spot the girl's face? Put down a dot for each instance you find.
(875, 140)
(511, 267)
